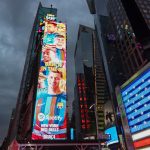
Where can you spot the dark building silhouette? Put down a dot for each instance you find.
(84, 88)
(21, 126)
(113, 67)
(124, 38)
(92, 99)
(131, 22)
(27, 93)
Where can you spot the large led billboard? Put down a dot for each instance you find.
(49, 122)
(135, 95)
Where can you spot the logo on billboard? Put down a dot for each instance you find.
(50, 17)
(41, 117)
(60, 105)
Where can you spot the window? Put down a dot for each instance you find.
(137, 57)
(133, 61)
(133, 45)
(144, 10)
(147, 16)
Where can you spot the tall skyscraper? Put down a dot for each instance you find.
(125, 36)
(84, 85)
(104, 110)
(131, 22)
(45, 97)
(94, 111)
(41, 112)
(106, 37)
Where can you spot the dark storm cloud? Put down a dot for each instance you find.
(14, 26)
(16, 20)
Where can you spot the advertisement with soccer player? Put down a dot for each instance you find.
(49, 122)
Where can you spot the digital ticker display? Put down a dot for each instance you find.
(136, 100)
(49, 122)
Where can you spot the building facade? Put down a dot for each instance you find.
(132, 33)
(113, 67)
(131, 23)
(91, 89)
(21, 126)
(84, 85)
(27, 93)
(44, 77)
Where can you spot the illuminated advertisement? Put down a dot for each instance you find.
(85, 120)
(112, 132)
(72, 133)
(136, 99)
(49, 122)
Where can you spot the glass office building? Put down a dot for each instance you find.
(84, 85)
(132, 33)
(91, 89)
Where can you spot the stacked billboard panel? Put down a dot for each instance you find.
(49, 122)
(135, 95)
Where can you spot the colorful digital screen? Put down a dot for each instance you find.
(112, 132)
(72, 133)
(49, 122)
(136, 100)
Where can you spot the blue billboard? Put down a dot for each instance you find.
(112, 132)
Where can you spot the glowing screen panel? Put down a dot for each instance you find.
(136, 100)
(49, 122)
(112, 132)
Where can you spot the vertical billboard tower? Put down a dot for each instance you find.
(49, 122)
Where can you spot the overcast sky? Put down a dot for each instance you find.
(16, 20)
